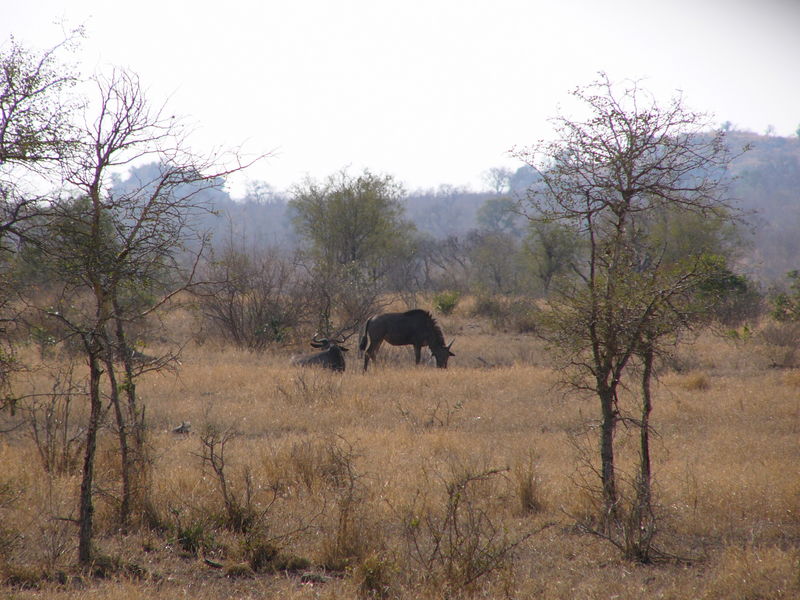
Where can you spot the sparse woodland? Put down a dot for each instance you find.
(621, 417)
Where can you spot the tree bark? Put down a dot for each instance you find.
(607, 428)
(124, 449)
(645, 474)
(86, 505)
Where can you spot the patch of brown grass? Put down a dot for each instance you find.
(695, 382)
(792, 378)
(331, 464)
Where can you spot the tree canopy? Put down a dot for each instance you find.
(351, 220)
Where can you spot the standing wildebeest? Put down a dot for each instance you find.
(330, 357)
(414, 327)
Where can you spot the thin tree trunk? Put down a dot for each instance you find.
(642, 525)
(86, 505)
(607, 428)
(645, 472)
(124, 450)
(135, 417)
(139, 457)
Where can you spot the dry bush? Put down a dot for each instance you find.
(695, 382)
(50, 420)
(345, 537)
(254, 299)
(528, 485)
(780, 343)
(453, 538)
(443, 413)
(10, 537)
(507, 314)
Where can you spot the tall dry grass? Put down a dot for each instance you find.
(357, 477)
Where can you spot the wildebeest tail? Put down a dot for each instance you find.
(363, 344)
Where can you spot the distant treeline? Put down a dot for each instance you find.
(765, 186)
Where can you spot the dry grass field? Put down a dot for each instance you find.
(413, 482)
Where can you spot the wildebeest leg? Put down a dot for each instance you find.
(417, 352)
(370, 352)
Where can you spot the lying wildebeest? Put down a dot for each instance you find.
(414, 327)
(331, 355)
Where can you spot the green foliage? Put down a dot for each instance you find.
(496, 262)
(356, 238)
(373, 576)
(35, 104)
(348, 220)
(499, 215)
(263, 556)
(551, 250)
(80, 243)
(786, 305)
(193, 538)
(446, 302)
(731, 298)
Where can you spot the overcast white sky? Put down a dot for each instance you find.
(430, 91)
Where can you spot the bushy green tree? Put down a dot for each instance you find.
(354, 232)
(348, 219)
(499, 215)
(36, 133)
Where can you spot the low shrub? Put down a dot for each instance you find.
(528, 486)
(519, 315)
(373, 576)
(780, 342)
(452, 540)
(696, 382)
(446, 302)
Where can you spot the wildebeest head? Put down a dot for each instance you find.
(331, 355)
(441, 354)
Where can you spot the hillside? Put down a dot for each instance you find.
(766, 186)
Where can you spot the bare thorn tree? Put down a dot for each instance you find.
(609, 176)
(120, 255)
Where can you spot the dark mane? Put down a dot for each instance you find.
(424, 314)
